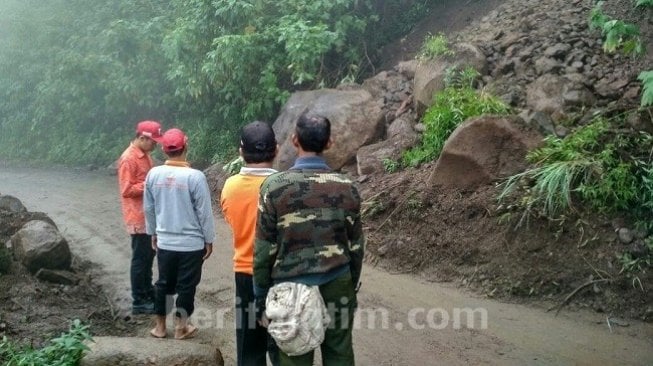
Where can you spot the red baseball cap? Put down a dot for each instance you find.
(151, 129)
(173, 140)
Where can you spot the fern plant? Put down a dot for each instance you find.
(646, 77)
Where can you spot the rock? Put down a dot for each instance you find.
(638, 249)
(356, 120)
(401, 136)
(113, 351)
(40, 245)
(216, 176)
(483, 149)
(553, 95)
(57, 276)
(543, 121)
(558, 51)
(11, 204)
(430, 75)
(546, 65)
(578, 97)
(407, 68)
(625, 235)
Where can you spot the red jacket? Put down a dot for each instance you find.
(133, 166)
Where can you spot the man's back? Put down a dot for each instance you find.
(313, 215)
(239, 200)
(178, 203)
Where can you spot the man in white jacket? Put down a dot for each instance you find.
(179, 216)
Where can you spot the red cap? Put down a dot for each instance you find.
(173, 140)
(151, 129)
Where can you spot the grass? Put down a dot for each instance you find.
(435, 46)
(66, 350)
(452, 106)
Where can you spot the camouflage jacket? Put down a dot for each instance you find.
(308, 223)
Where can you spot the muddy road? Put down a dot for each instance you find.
(403, 320)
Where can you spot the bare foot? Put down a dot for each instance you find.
(187, 332)
(157, 333)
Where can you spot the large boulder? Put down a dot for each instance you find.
(216, 176)
(356, 120)
(11, 222)
(111, 351)
(401, 136)
(430, 75)
(483, 149)
(11, 204)
(40, 245)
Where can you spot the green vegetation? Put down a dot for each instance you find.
(603, 167)
(435, 46)
(453, 105)
(618, 34)
(646, 77)
(233, 167)
(644, 3)
(66, 350)
(390, 165)
(77, 75)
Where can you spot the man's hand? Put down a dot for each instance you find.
(208, 247)
(154, 246)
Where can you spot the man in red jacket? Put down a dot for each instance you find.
(133, 165)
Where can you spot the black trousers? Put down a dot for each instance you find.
(140, 272)
(179, 273)
(252, 340)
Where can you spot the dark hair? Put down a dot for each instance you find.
(258, 142)
(175, 153)
(313, 132)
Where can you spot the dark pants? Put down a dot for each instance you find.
(337, 349)
(141, 269)
(252, 340)
(179, 273)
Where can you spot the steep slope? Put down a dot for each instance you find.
(461, 236)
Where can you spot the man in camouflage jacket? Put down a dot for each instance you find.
(309, 231)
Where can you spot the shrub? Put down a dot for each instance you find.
(598, 165)
(66, 350)
(434, 46)
(452, 106)
(618, 34)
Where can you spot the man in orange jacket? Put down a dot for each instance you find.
(133, 166)
(239, 200)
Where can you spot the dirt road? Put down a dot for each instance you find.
(402, 320)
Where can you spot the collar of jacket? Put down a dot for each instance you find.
(178, 163)
(310, 162)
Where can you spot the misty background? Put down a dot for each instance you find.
(76, 75)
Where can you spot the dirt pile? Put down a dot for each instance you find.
(34, 311)
(464, 236)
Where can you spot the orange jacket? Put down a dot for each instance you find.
(239, 201)
(133, 166)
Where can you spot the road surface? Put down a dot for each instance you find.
(403, 320)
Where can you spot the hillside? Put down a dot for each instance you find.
(462, 236)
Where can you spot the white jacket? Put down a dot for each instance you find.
(298, 317)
